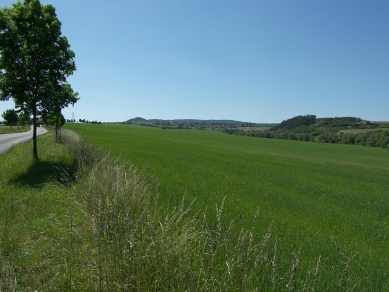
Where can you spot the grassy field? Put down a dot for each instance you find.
(6, 129)
(329, 200)
(254, 128)
(359, 131)
(79, 219)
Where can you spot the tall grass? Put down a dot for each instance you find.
(80, 219)
(139, 244)
(320, 196)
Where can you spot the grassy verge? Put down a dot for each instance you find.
(7, 130)
(79, 219)
(36, 217)
(322, 197)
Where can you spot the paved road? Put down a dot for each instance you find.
(9, 140)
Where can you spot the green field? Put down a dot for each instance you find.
(254, 128)
(330, 200)
(15, 129)
(359, 131)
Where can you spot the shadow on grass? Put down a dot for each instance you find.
(42, 172)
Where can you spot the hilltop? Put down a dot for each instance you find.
(194, 123)
(341, 130)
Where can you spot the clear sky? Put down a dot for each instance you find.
(254, 61)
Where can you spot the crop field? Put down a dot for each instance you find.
(359, 131)
(254, 128)
(325, 201)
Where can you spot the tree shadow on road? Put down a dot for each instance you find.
(42, 172)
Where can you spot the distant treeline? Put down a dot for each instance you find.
(209, 122)
(184, 123)
(373, 139)
(325, 130)
(88, 122)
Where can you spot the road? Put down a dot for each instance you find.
(9, 140)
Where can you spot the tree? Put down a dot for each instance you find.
(35, 60)
(23, 119)
(58, 120)
(10, 117)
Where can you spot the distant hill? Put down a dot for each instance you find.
(198, 121)
(342, 130)
(227, 122)
(310, 121)
(137, 120)
(230, 122)
(211, 122)
(295, 122)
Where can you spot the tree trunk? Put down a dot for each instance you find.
(34, 150)
(59, 134)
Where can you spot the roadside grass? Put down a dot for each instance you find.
(38, 219)
(330, 200)
(89, 221)
(15, 129)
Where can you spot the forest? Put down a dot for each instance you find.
(340, 130)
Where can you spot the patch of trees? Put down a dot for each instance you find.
(295, 122)
(271, 134)
(89, 122)
(11, 118)
(24, 119)
(342, 122)
(56, 120)
(372, 139)
(326, 130)
(310, 124)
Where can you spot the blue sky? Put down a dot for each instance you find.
(254, 61)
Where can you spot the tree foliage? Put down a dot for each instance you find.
(23, 119)
(295, 122)
(10, 117)
(324, 130)
(35, 60)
